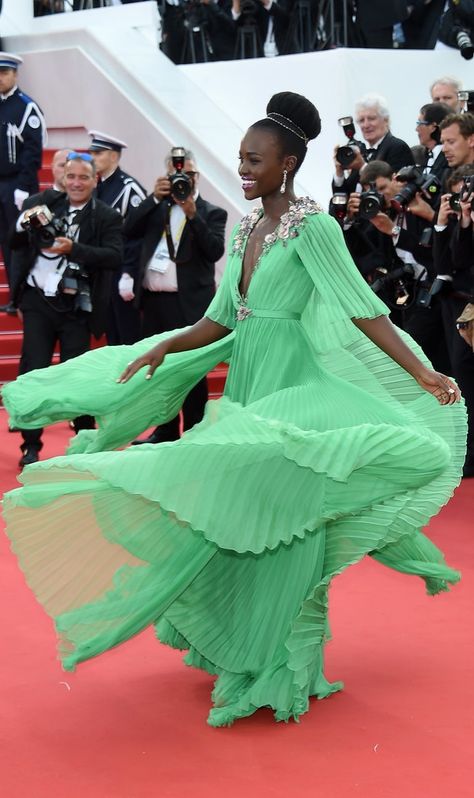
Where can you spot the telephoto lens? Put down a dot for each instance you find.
(464, 42)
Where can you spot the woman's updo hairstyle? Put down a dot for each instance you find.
(294, 120)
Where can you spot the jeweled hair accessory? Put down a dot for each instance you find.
(289, 125)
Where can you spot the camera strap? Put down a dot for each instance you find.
(169, 236)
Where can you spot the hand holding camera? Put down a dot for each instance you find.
(447, 210)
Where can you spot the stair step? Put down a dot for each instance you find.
(10, 324)
(10, 344)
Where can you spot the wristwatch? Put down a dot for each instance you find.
(395, 230)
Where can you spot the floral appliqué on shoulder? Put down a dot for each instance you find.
(288, 226)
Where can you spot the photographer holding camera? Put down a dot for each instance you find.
(387, 230)
(65, 247)
(373, 119)
(182, 238)
(457, 27)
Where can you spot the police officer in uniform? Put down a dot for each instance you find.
(119, 191)
(22, 134)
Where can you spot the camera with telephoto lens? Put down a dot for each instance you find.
(181, 184)
(465, 45)
(345, 155)
(338, 206)
(415, 183)
(371, 203)
(75, 282)
(44, 226)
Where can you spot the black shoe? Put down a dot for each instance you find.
(10, 309)
(30, 455)
(156, 437)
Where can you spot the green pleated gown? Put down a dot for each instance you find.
(321, 450)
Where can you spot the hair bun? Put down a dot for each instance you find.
(298, 109)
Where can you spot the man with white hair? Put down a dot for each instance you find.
(445, 90)
(373, 118)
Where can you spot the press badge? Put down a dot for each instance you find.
(159, 263)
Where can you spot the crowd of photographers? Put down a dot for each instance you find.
(407, 214)
(216, 30)
(205, 30)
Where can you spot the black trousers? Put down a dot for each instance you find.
(8, 215)
(427, 327)
(46, 322)
(462, 361)
(434, 329)
(162, 312)
(123, 323)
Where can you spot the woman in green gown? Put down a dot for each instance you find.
(334, 439)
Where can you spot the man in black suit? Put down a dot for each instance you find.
(183, 237)
(429, 134)
(61, 282)
(373, 118)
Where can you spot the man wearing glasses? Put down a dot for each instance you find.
(65, 246)
(429, 135)
(182, 238)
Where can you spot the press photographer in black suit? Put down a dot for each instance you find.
(183, 237)
(61, 274)
(373, 118)
(389, 244)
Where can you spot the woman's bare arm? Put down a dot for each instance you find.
(202, 333)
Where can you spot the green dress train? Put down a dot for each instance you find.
(321, 450)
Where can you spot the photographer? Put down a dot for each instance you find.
(387, 242)
(429, 135)
(373, 119)
(454, 269)
(183, 237)
(62, 267)
(271, 21)
(457, 27)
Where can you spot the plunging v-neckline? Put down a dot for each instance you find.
(268, 241)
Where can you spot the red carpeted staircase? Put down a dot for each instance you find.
(11, 329)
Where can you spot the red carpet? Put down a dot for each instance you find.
(131, 724)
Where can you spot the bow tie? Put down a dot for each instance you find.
(369, 154)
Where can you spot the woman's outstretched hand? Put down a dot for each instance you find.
(441, 387)
(153, 358)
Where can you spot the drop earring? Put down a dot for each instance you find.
(283, 185)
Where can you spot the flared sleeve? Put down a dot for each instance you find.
(340, 292)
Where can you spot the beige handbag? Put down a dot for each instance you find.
(465, 324)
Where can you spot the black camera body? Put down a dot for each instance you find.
(415, 182)
(75, 282)
(371, 203)
(345, 155)
(44, 226)
(181, 184)
(468, 188)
